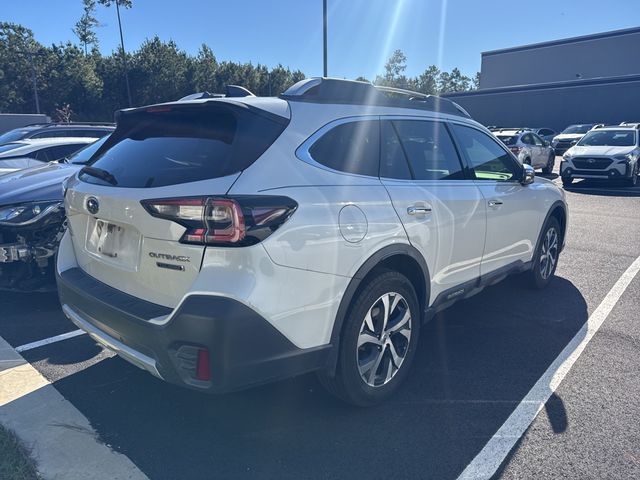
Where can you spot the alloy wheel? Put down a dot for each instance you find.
(383, 341)
(549, 253)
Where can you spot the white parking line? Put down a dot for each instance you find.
(47, 341)
(487, 462)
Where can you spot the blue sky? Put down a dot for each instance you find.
(362, 33)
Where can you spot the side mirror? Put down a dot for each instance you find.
(528, 174)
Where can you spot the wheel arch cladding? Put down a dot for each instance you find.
(402, 258)
(557, 211)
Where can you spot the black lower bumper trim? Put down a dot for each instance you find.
(244, 348)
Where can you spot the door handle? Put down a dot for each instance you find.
(415, 210)
(495, 203)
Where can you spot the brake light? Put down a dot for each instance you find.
(227, 221)
(515, 150)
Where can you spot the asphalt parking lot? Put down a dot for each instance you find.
(476, 363)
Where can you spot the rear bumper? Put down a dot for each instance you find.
(244, 349)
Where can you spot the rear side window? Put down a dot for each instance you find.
(184, 144)
(350, 147)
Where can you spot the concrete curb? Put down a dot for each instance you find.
(61, 439)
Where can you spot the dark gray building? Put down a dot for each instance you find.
(594, 78)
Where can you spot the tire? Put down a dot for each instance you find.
(548, 168)
(353, 382)
(567, 181)
(542, 271)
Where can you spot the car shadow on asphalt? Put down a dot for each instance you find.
(603, 188)
(475, 363)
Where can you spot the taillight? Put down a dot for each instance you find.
(515, 150)
(226, 221)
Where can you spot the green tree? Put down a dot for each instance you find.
(71, 78)
(122, 3)
(84, 28)
(21, 63)
(394, 72)
(160, 72)
(476, 81)
(453, 81)
(395, 66)
(427, 81)
(204, 70)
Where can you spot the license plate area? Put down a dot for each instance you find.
(113, 243)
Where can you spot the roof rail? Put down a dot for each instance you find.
(65, 124)
(352, 92)
(630, 124)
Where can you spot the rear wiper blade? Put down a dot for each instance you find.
(101, 174)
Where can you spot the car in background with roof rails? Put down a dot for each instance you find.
(528, 147)
(32, 221)
(52, 130)
(34, 152)
(547, 134)
(192, 256)
(570, 136)
(608, 153)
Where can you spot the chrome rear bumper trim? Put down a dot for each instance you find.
(129, 354)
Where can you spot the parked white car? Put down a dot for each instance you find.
(30, 153)
(610, 153)
(528, 147)
(227, 242)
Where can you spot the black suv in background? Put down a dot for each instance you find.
(50, 130)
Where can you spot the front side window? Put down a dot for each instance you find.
(352, 147)
(429, 150)
(486, 157)
(537, 140)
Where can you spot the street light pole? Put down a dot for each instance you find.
(324, 36)
(124, 55)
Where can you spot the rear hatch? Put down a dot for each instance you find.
(166, 152)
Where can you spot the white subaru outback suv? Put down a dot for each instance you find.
(228, 242)
(608, 153)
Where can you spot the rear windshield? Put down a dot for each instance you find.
(187, 143)
(577, 129)
(508, 139)
(609, 138)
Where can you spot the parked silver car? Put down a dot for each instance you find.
(528, 147)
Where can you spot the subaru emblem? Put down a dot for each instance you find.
(92, 205)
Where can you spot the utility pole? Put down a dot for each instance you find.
(324, 36)
(124, 55)
(34, 83)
